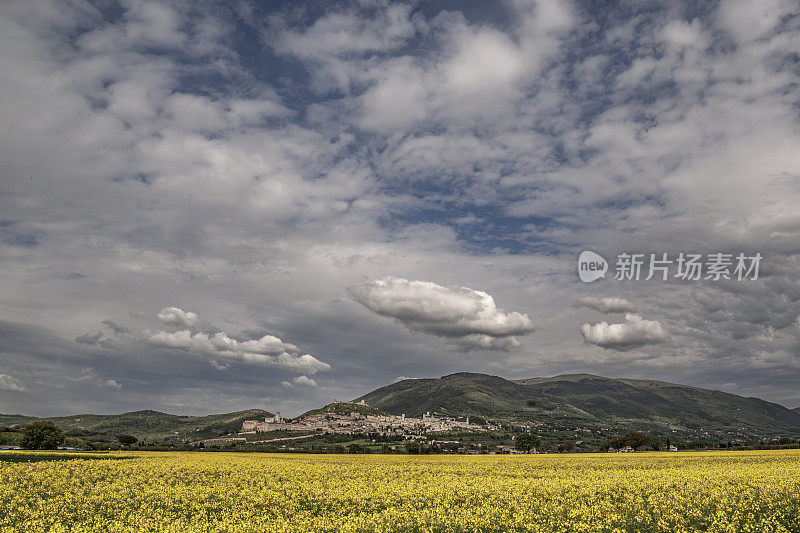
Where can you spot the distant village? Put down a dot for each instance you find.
(356, 423)
(341, 419)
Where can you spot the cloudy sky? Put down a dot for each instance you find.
(210, 206)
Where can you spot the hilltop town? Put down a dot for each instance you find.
(342, 417)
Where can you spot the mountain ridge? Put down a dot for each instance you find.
(566, 403)
(581, 401)
(145, 424)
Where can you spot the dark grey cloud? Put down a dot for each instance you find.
(607, 304)
(118, 329)
(91, 337)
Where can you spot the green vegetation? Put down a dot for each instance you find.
(35, 457)
(636, 440)
(592, 409)
(577, 412)
(693, 445)
(127, 440)
(345, 408)
(527, 441)
(41, 435)
(151, 428)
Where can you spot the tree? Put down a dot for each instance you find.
(526, 441)
(127, 440)
(41, 435)
(355, 447)
(412, 447)
(635, 440)
(567, 446)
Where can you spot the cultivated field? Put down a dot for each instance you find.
(712, 491)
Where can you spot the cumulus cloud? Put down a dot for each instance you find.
(607, 304)
(467, 316)
(11, 384)
(268, 350)
(300, 381)
(178, 317)
(635, 331)
(112, 384)
(92, 337)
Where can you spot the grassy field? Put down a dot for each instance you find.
(703, 491)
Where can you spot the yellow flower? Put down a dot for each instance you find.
(146, 491)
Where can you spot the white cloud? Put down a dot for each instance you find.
(268, 350)
(11, 384)
(268, 345)
(608, 304)
(178, 317)
(300, 381)
(112, 384)
(635, 331)
(747, 20)
(469, 317)
(349, 33)
(337, 43)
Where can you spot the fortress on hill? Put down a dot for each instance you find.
(353, 422)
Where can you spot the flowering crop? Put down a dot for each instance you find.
(143, 491)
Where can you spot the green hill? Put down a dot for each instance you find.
(146, 425)
(578, 406)
(583, 402)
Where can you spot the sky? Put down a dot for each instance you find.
(215, 206)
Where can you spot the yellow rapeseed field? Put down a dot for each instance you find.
(140, 491)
